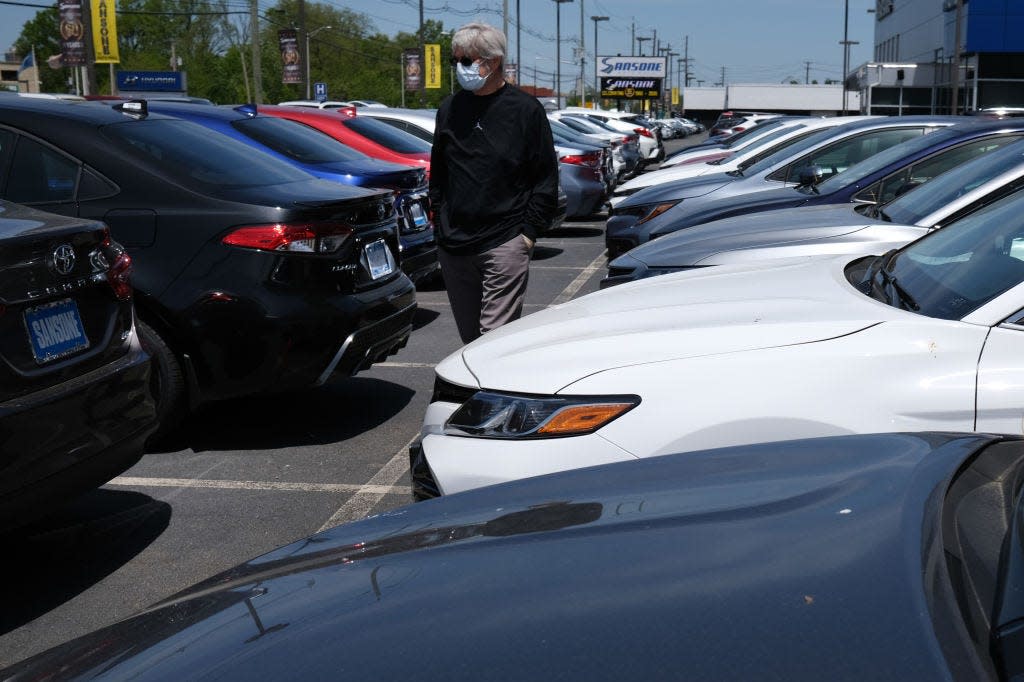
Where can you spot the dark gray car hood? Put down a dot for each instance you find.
(747, 231)
(789, 561)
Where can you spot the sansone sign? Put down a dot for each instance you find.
(631, 88)
(632, 67)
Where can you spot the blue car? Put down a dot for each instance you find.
(782, 179)
(325, 157)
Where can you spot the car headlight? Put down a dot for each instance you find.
(505, 415)
(645, 212)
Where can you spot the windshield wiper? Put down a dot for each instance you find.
(738, 173)
(902, 298)
(879, 213)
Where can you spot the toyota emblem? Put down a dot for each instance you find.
(64, 259)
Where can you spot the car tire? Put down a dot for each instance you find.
(168, 383)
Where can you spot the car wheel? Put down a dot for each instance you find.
(168, 382)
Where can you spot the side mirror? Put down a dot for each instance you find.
(808, 176)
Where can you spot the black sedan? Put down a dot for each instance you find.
(878, 557)
(76, 404)
(250, 274)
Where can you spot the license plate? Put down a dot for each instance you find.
(55, 330)
(377, 259)
(419, 216)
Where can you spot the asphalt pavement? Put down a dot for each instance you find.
(246, 476)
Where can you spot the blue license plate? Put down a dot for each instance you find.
(419, 216)
(55, 330)
(377, 259)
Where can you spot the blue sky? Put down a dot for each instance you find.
(755, 41)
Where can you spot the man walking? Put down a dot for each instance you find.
(493, 184)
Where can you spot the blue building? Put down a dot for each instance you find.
(930, 53)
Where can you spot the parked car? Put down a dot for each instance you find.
(570, 137)
(682, 203)
(731, 122)
(76, 401)
(777, 135)
(326, 158)
(418, 122)
(581, 177)
(250, 275)
(625, 147)
(878, 178)
(652, 149)
(830, 229)
(882, 557)
(927, 337)
(715, 150)
(364, 133)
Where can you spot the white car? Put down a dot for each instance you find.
(652, 149)
(930, 337)
(418, 122)
(714, 151)
(781, 135)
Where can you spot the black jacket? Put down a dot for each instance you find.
(493, 170)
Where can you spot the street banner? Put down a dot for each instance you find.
(432, 53)
(288, 39)
(675, 96)
(72, 33)
(413, 70)
(104, 31)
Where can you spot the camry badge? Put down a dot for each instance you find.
(64, 259)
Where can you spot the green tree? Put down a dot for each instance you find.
(43, 33)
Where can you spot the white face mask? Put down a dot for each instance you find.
(469, 76)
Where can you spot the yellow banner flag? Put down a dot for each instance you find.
(433, 59)
(104, 31)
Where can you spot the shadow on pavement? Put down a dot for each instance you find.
(66, 553)
(575, 231)
(423, 317)
(319, 416)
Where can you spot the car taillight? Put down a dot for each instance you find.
(627, 139)
(119, 276)
(643, 131)
(319, 238)
(592, 159)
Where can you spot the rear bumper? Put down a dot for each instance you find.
(75, 437)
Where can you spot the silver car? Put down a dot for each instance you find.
(830, 230)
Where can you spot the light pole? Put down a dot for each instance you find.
(310, 34)
(558, 50)
(597, 82)
(640, 40)
(846, 42)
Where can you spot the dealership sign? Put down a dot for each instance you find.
(630, 88)
(632, 67)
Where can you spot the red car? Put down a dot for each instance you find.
(370, 136)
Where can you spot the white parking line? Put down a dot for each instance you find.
(360, 504)
(142, 482)
(580, 280)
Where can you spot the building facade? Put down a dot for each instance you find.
(931, 53)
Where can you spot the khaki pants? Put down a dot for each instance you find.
(486, 290)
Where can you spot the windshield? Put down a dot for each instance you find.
(887, 157)
(910, 208)
(784, 154)
(392, 138)
(189, 153)
(751, 132)
(951, 272)
(296, 141)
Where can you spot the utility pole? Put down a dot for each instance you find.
(632, 39)
(686, 58)
(640, 40)
(597, 81)
(254, 37)
(807, 73)
(423, 80)
(303, 53)
(956, 58)
(558, 50)
(583, 61)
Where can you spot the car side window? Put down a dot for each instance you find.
(838, 156)
(924, 170)
(40, 174)
(6, 149)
